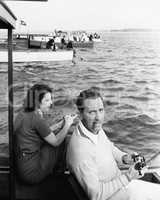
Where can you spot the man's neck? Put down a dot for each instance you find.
(93, 132)
(85, 132)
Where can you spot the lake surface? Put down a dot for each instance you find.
(126, 67)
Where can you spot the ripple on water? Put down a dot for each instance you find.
(127, 107)
(115, 89)
(123, 66)
(137, 98)
(111, 81)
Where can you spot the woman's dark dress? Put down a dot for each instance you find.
(35, 158)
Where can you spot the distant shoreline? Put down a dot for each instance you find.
(134, 30)
(3, 34)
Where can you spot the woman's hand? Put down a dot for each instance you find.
(69, 119)
(56, 139)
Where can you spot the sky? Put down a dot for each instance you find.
(87, 14)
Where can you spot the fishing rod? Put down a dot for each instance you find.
(147, 162)
(151, 159)
(154, 156)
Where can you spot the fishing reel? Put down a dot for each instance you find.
(139, 162)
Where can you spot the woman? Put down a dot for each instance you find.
(37, 148)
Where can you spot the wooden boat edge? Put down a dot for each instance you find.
(24, 191)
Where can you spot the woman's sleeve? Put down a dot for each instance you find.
(41, 126)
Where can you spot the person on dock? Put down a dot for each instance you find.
(93, 159)
(51, 44)
(38, 148)
(63, 42)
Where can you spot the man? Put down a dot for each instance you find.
(94, 159)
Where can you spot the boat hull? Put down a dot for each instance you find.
(83, 44)
(59, 185)
(37, 56)
(43, 44)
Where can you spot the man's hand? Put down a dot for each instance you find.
(134, 174)
(127, 159)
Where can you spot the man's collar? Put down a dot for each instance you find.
(89, 134)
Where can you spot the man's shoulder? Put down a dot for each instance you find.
(79, 149)
(79, 144)
(105, 133)
(77, 139)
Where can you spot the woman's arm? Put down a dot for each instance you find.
(58, 125)
(56, 140)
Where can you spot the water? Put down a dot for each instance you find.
(126, 67)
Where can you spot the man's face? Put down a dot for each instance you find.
(93, 114)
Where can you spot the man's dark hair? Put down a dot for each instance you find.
(91, 93)
(34, 96)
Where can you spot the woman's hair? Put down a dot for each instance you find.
(34, 96)
(92, 93)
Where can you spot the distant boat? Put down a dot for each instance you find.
(41, 42)
(23, 52)
(88, 44)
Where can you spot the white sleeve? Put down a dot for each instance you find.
(87, 175)
(117, 153)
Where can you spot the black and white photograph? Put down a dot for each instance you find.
(79, 100)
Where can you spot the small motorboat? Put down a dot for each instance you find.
(25, 51)
(76, 44)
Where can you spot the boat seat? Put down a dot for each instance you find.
(4, 177)
(50, 187)
(55, 185)
(151, 177)
(24, 191)
(77, 188)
